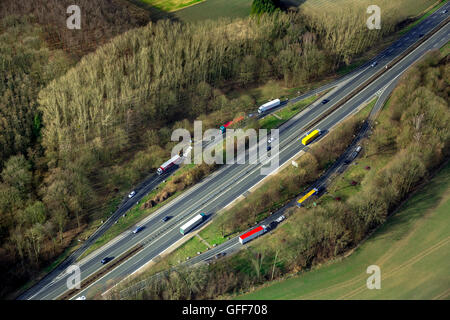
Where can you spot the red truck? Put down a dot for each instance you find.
(252, 234)
(168, 164)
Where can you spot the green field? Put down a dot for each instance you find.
(197, 10)
(411, 248)
(170, 5)
(214, 9)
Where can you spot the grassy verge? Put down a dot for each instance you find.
(411, 243)
(445, 49)
(278, 118)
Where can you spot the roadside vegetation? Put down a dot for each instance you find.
(411, 243)
(411, 140)
(74, 141)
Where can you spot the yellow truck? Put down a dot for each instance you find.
(307, 196)
(310, 137)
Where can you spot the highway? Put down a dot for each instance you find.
(231, 181)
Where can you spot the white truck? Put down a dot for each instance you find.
(191, 224)
(168, 164)
(269, 105)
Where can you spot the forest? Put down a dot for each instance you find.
(85, 115)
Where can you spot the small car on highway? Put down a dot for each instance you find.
(325, 101)
(132, 194)
(106, 260)
(373, 64)
(166, 218)
(140, 228)
(280, 218)
(272, 225)
(220, 255)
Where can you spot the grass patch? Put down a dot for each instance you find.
(410, 244)
(213, 234)
(272, 121)
(171, 5)
(215, 9)
(445, 49)
(188, 249)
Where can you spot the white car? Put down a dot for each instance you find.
(132, 193)
(280, 218)
(81, 298)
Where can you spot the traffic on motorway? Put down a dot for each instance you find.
(224, 186)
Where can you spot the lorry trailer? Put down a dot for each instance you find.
(269, 105)
(310, 137)
(307, 196)
(224, 127)
(252, 234)
(168, 164)
(191, 224)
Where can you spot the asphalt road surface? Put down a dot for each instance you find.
(231, 181)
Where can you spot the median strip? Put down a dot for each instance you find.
(93, 277)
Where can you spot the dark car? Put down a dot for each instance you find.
(325, 101)
(166, 218)
(106, 260)
(272, 225)
(373, 64)
(321, 189)
(220, 255)
(269, 147)
(138, 229)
